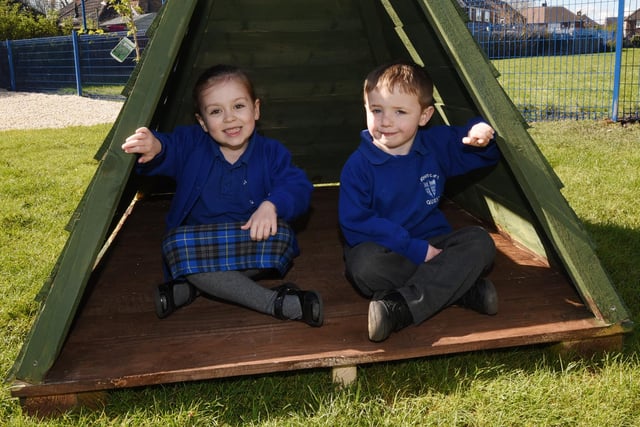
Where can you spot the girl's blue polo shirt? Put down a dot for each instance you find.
(211, 190)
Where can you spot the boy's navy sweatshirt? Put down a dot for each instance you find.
(393, 200)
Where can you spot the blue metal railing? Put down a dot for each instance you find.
(78, 62)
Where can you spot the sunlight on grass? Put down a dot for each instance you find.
(569, 86)
(43, 175)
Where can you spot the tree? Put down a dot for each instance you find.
(17, 21)
(128, 9)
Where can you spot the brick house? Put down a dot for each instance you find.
(98, 13)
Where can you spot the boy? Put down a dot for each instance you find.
(400, 250)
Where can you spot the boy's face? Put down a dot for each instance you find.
(228, 115)
(393, 118)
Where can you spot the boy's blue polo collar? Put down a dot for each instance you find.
(377, 157)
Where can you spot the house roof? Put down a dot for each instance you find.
(92, 9)
(500, 8)
(549, 14)
(99, 11)
(634, 16)
(142, 22)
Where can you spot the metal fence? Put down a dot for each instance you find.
(78, 64)
(558, 59)
(563, 59)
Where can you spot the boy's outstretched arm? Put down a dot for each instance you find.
(144, 143)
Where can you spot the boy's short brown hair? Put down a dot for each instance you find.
(407, 76)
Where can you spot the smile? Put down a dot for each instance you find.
(233, 131)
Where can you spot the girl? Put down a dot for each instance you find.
(236, 191)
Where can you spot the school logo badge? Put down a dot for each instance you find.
(430, 185)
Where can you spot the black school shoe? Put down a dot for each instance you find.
(163, 297)
(482, 297)
(310, 302)
(386, 315)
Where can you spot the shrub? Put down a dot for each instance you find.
(19, 22)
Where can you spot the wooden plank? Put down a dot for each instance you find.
(51, 406)
(275, 83)
(117, 341)
(300, 114)
(288, 48)
(377, 34)
(289, 10)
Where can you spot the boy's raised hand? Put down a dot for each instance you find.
(144, 143)
(479, 135)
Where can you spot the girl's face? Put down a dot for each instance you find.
(228, 115)
(393, 118)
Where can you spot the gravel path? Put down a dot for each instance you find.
(26, 110)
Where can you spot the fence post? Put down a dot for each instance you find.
(84, 16)
(12, 71)
(618, 66)
(76, 60)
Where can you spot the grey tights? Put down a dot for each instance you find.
(239, 288)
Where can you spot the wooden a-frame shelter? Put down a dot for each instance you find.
(97, 330)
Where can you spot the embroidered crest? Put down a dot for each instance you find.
(430, 184)
(430, 187)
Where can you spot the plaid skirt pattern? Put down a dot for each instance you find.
(193, 249)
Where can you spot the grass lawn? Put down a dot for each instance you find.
(581, 86)
(43, 175)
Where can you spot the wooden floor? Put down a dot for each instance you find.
(117, 341)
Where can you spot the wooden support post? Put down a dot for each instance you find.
(55, 405)
(344, 375)
(589, 347)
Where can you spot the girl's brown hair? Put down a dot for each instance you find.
(218, 73)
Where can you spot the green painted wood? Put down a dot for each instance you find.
(56, 314)
(300, 75)
(372, 20)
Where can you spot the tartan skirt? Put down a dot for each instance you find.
(191, 249)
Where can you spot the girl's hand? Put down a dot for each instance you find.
(479, 135)
(144, 143)
(263, 223)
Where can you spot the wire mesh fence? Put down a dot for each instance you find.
(68, 63)
(558, 59)
(563, 59)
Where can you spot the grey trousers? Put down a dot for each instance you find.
(466, 255)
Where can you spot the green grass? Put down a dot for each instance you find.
(44, 173)
(571, 84)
